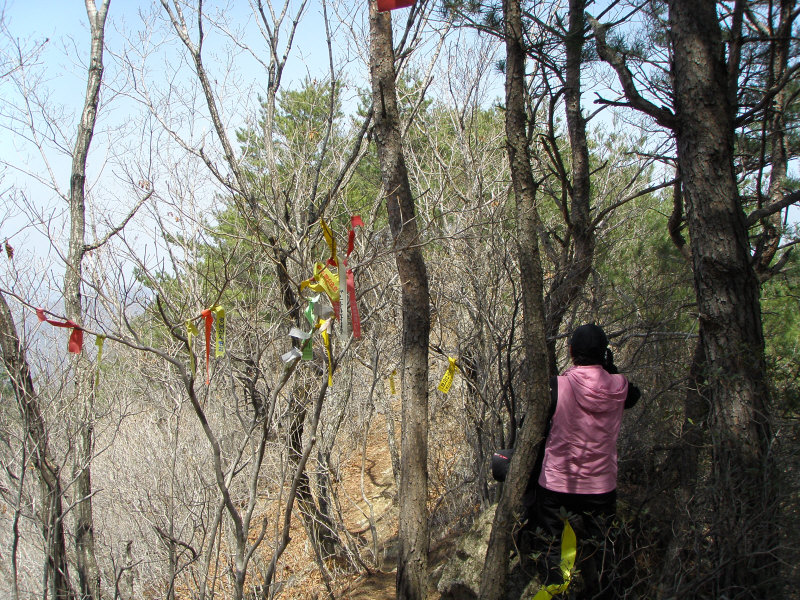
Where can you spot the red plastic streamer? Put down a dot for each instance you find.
(341, 265)
(384, 5)
(75, 338)
(355, 221)
(351, 294)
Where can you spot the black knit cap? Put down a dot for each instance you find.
(589, 341)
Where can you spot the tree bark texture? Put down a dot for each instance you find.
(412, 560)
(572, 273)
(318, 521)
(535, 375)
(86, 561)
(727, 293)
(51, 513)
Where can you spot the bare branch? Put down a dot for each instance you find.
(115, 230)
(643, 192)
(662, 115)
(758, 214)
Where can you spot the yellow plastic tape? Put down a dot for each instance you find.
(568, 551)
(99, 343)
(324, 326)
(191, 330)
(326, 231)
(323, 281)
(219, 318)
(328, 280)
(447, 378)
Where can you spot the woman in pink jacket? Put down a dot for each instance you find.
(579, 469)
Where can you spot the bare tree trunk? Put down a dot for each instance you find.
(412, 560)
(124, 588)
(572, 273)
(726, 286)
(86, 561)
(56, 576)
(728, 303)
(685, 456)
(388, 411)
(283, 541)
(318, 522)
(535, 375)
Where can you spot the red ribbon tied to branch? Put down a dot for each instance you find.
(324, 281)
(355, 221)
(75, 338)
(384, 5)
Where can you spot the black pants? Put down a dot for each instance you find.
(591, 516)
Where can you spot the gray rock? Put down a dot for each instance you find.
(461, 575)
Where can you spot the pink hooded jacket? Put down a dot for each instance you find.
(580, 455)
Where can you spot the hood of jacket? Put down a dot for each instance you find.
(596, 390)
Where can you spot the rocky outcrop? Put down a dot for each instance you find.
(461, 575)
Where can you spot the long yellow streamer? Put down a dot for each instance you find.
(324, 326)
(326, 231)
(99, 343)
(568, 551)
(191, 330)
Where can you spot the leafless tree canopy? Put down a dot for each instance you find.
(246, 245)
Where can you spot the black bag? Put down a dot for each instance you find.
(500, 460)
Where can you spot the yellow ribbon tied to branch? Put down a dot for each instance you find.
(324, 326)
(447, 378)
(219, 318)
(568, 551)
(331, 241)
(323, 281)
(191, 330)
(99, 343)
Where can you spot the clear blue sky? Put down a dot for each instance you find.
(62, 61)
(64, 23)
